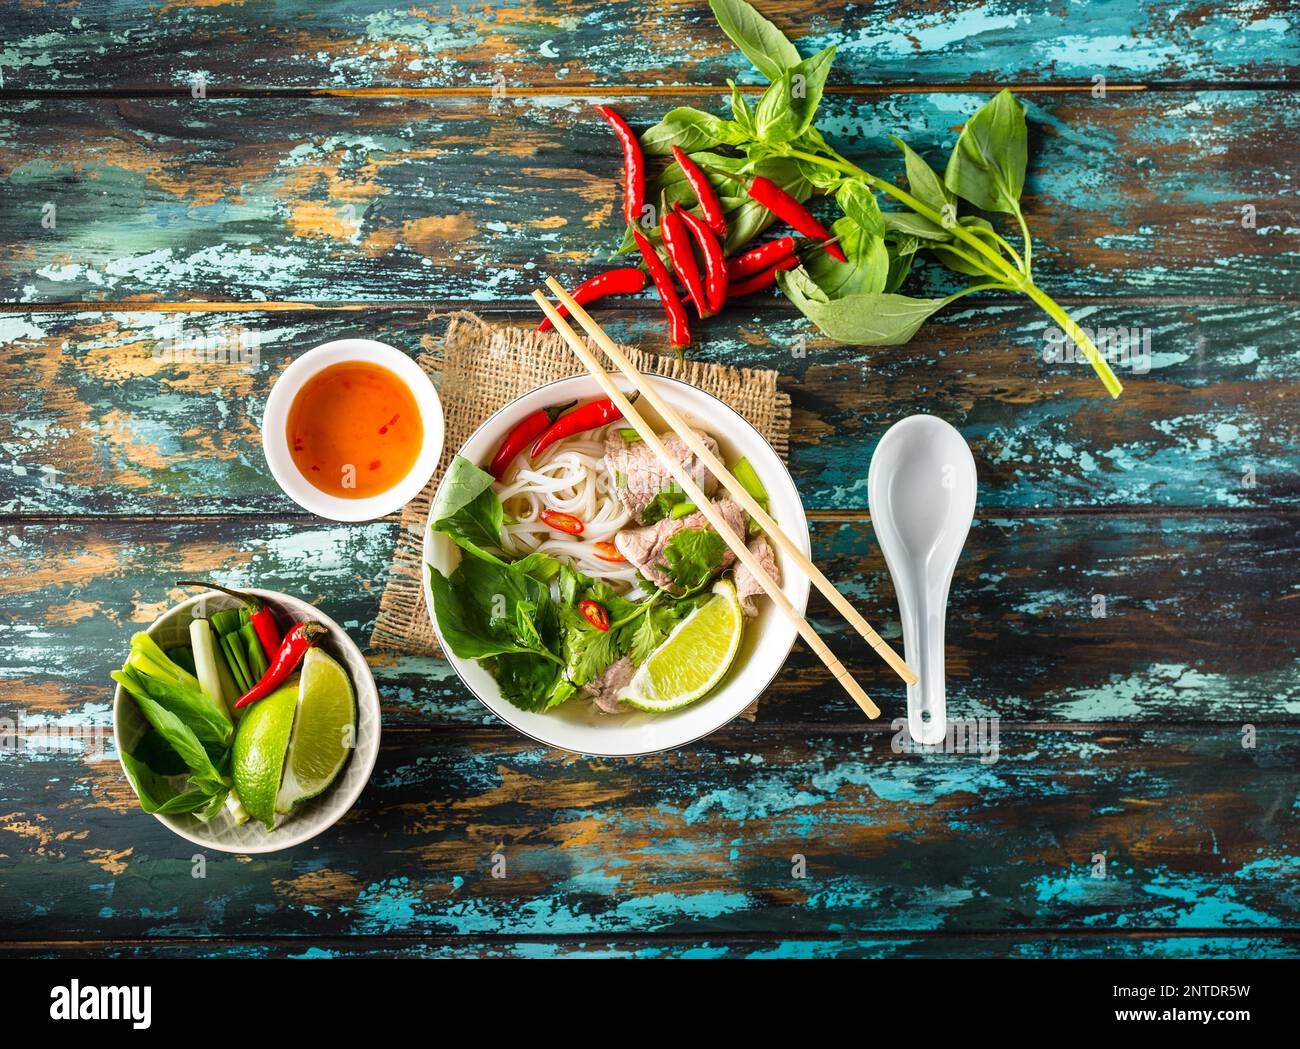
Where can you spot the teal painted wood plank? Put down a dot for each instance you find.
(921, 944)
(471, 200)
(1076, 619)
(1199, 835)
(96, 44)
(145, 412)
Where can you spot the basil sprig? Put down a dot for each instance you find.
(858, 301)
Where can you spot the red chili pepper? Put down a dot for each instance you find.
(595, 614)
(525, 432)
(300, 637)
(259, 614)
(762, 280)
(580, 420)
(760, 258)
(790, 211)
(679, 328)
(626, 281)
(710, 206)
(562, 522)
(715, 264)
(633, 166)
(682, 256)
(609, 552)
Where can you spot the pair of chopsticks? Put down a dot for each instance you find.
(706, 506)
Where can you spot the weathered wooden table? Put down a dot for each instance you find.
(179, 175)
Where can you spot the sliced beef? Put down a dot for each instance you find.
(644, 547)
(747, 587)
(605, 689)
(640, 475)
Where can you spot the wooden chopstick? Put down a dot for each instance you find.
(670, 415)
(705, 505)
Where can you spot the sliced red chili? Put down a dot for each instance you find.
(609, 552)
(595, 614)
(562, 522)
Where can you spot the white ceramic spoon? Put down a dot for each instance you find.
(921, 489)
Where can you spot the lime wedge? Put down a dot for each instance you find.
(261, 741)
(324, 732)
(693, 658)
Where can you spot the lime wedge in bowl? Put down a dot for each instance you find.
(324, 732)
(257, 760)
(693, 658)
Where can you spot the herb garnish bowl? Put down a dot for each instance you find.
(309, 819)
(576, 726)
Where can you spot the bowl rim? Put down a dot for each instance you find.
(275, 443)
(800, 538)
(288, 841)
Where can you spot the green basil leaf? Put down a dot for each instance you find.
(902, 252)
(866, 270)
(822, 178)
(691, 130)
(911, 224)
(987, 166)
(741, 115)
(542, 567)
(156, 794)
(528, 681)
(478, 610)
(807, 82)
(786, 110)
(922, 180)
(954, 262)
(758, 39)
(862, 320)
(860, 205)
(775, 118)
(208, 724)
(467, 509)
(203, 773)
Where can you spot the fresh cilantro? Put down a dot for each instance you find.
(693, 556)
(662, 505)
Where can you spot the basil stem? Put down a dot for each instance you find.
(1000, 269)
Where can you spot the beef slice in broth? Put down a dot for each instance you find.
(640, 476)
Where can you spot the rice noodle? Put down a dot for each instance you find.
(570, 477)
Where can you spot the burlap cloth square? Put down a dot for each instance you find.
(478, 367)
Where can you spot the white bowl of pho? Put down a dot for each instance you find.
(580, 595)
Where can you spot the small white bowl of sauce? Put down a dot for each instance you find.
(352, 430)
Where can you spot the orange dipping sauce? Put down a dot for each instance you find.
(354, 430)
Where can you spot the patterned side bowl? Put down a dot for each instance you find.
(311, 817)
